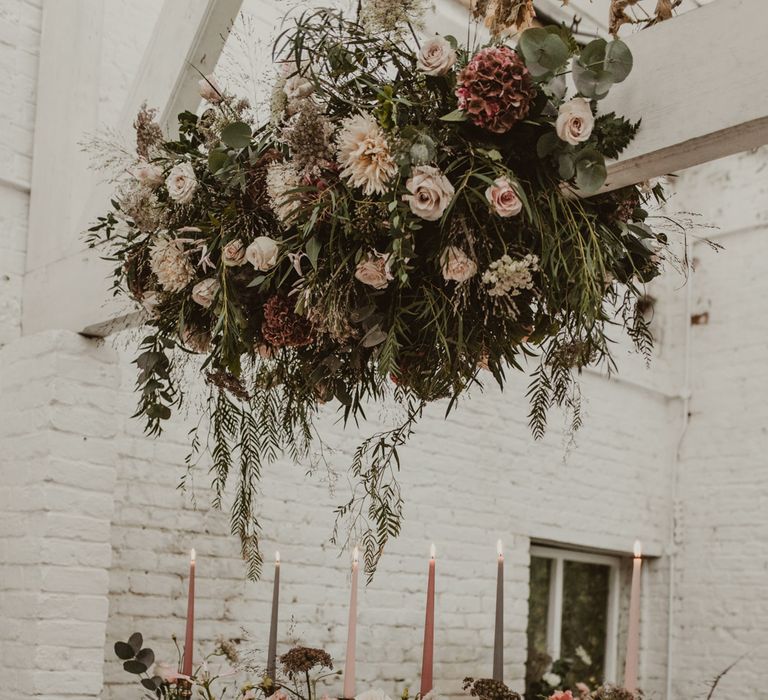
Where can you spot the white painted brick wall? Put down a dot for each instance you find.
(56, 506)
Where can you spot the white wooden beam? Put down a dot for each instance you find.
(699, 88)
(187, 40)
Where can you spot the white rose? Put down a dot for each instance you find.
(431, 192)
(209, 89)
(298, 87)
(374, 270)
(262, 253)
(456, 265)
(436, 56)
(503, 198)
(552, 679)
(181, 183)
(575, 121)
(233, 253)
(205, 292)
(148, 174)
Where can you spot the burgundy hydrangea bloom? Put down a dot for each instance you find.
(495, 89)
(283, 327)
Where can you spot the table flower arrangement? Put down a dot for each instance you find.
(413, 221)
(305, 671)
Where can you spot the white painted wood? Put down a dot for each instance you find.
(67, 107)
(187, 40)
(698, 87)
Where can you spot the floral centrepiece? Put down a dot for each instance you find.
(406, 224)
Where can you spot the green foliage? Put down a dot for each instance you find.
(612, 134)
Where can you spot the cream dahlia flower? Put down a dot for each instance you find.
(170, 265)
(363, 153)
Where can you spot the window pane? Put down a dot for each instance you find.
(538, 608)
(585, 613)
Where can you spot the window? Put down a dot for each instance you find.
(573, 619)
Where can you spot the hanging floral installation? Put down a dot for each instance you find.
(417, 218)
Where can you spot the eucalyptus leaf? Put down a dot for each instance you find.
(136, 640)
(152, 683)
(591, 172)
(542, 51)
(618, 60)
(361, 314)
(135, 667)
(236, 135)
(217, 160)
(592, 84)
(566, 166)
(547, 144)
(146, 656)
(124, 651)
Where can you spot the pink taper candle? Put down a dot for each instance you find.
(349, 665)
(633, 634)
(189, 637)
(429, 629)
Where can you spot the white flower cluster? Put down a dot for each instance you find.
(508, 277)
(282, 178)
(169, 262)
(393, 15)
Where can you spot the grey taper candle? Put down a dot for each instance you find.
(498, 638)
(272, 649)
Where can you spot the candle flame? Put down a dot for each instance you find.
(355, 555)
(638, 549)
(192, 555)
(432, 551)
(500, 548)
(277, 557)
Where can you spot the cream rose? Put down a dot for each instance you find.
(503, 198)
(436, 56)
(181, 183)
(148, 174)
(262, 253)
(431, 192)
(209, 90)
(575, 121)
(233, 253)
(205, 292)
(297, 87)
(374, 270)
(456, 265)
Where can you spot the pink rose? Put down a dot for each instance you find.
(181, 183)
(561, 695)
(374, 270)
(503, 198)
(233, 253)
(575, 121)
(262, 253)
(431, 192)
(209, 90)
(205, 292)
(436, 56)
(456, 265)
(148, 174)
(298, 87)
